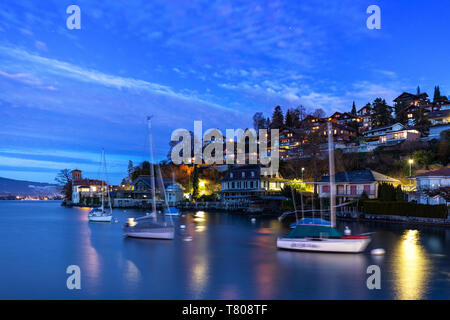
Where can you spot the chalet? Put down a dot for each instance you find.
(246, 181)
(440, 121)
(430, 180)
(290, 146)
(351, 184)
(364, 117)
(341, 133)
(391, 134)
(412, 102)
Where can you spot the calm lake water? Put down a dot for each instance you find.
(229, 257)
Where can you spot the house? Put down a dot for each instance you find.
(290, 146)
(430, 180)
(389, 135)
(246, 181)
(411, 102)
(86, 191)
(174, 193)
(351, 184)
(364, 117)
(440, 121)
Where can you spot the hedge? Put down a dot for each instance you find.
(406, 209)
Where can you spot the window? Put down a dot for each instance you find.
(231, 174)
(325, 189)
(253, 173)
(367, 188)
(243, 174)
(251, 184)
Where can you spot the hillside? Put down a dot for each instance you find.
(25, 188)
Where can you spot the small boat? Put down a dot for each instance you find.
(99, 214)
(321, 238)
(147, 226)
(148, 229)
(318, 235)
(172, 211)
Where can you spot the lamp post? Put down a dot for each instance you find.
(410, 165)
(303, 169)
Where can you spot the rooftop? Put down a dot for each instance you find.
(444, 172)
(359, 176)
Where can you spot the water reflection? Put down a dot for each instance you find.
(411, 267)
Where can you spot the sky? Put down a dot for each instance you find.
(66, 94)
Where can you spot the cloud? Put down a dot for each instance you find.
(26, 78)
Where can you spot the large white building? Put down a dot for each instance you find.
(430, 180)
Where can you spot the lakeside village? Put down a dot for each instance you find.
(392, 162)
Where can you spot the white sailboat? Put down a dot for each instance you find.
(317, 235)
(99, 214)
(147, 226)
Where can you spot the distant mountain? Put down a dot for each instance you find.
(26, 188)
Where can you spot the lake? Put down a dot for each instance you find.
(228, 257)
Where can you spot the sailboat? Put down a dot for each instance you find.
(148, 226)
(318, 235)
(99, 214)
(171, 210)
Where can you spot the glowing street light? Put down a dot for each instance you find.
(410, 165)
(303, 169)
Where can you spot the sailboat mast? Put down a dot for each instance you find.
(152, 169)
(103, 179)
(332, 177)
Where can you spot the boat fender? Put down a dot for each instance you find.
(378, 252)
(347, 231)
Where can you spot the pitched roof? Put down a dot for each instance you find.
(444, 172)
(439, 113)
(359, 176)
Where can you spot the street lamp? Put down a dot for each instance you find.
(303, 169)
(410, 164)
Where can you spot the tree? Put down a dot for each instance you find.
(400, 114)
(421, 122)
(423, 157)
(353, 112)
(259, 122)
(130, 170)
(277, 118)
(382, 113)
(289, 122)
(319, 113)
(418, 90)
(195, 183)
(444, 147)
(64, 181)
(399, 194)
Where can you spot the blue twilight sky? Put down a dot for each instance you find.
(65, 94)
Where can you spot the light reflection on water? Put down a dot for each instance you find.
(229, 257)
(411, 266)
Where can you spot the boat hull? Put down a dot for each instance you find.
(166, 233)
(100, 218)
(324, 245)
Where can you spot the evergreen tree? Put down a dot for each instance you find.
(258, 121)
(400, 114)
(130, 170)
(399, 195)
(277, 118)
(289, 122)
(383, 115)
(418, 90)
(353, 112)
(421, 122)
